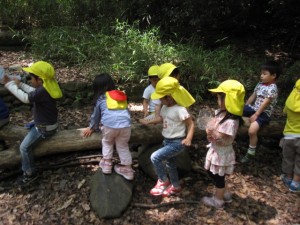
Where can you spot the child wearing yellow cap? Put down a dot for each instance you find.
(221, 131)
(290, 143)
(178, 131)
(112, 114)
(260, 105)
(42, 95)
(168, 69)
(151, 107)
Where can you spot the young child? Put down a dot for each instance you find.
(290, 143)
(260, 104)
(111, 111)
(168, 69)
(178, 131)
(4, 113)
(221, 131)
(42, 95)
(151, 107)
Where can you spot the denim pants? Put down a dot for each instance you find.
(165, 158)
(33, 137)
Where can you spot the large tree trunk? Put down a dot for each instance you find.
(71, 140)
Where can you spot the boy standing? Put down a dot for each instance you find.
(260, 104)
(42, 95)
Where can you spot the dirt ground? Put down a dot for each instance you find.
(61, 194)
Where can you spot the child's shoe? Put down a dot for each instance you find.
(106, 166)
(126, 172)
(27, 178)
(227, 197)
(295, 186)
(213, 201)
(286, 180)
(248, 158)
(171, 190)
(159, 188)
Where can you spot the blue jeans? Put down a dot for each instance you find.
(171, 148)
(32, 138)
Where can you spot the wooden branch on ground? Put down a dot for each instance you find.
(72, 140)
(153, 206)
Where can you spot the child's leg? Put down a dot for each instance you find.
(217, 200)
(295, 184)
(219, 182)
(108, 140)
(125, 156)
(170, 150)
(108, 137)
(33, 137)
(122, 146)
(252, 132)
(288, 157)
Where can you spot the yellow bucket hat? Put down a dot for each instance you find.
(46, 72)
(165, 70)
(170, 86)
(153, 70)
(293, 101)
(235, 93)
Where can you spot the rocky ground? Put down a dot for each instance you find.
(61, 194)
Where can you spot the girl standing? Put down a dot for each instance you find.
(221, 131)
(112, 113)
(178, 131)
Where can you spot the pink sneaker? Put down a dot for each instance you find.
(171, 190)
(106, 166)
(159, 188)
(126, 172)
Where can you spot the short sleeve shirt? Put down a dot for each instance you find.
(147, 95)
(265, 91)
(173, 121)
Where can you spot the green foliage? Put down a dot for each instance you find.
(127, 52)
(202, 69)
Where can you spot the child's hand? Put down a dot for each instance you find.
(6, 79)
(17, 81)
(87, 132)
(146, 114)
(186, 142)
(144, 121)
(253, 118)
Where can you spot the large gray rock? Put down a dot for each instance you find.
(183, 160)
(110, 194)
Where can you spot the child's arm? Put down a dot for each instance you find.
(156, 120)
(157, 109)
(190, 131)
(145, 107)
(261, 109)
(95, 121)
(16, 91)
(251, 99)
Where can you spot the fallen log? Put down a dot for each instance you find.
(72, 140)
